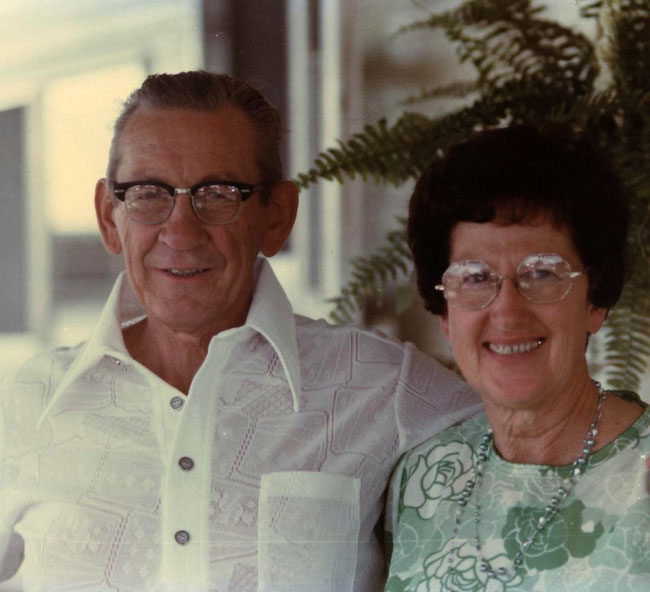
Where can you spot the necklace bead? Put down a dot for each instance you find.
(567, 484)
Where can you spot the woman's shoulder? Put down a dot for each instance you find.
(465, 434)
(631, 431)
(627, 415)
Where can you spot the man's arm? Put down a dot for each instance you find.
(391, 514)
(429, 399)
(11, 559)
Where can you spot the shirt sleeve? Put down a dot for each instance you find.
(429, 399)
(5, 529)
(393, 500)
(11, 544)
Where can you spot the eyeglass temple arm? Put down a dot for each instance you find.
(246, 192)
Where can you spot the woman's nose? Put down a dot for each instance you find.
(509, 297)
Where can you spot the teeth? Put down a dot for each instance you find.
(518, 348)
(184, 272)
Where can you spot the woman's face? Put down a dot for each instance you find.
(550, 360)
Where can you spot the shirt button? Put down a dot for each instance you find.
(182, 537)
(186, 463)
(176, 403)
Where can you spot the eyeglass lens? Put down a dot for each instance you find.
(213, 204)
(540, 278)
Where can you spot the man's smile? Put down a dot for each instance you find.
(185, 272)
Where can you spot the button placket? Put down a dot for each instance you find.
(186, 481)
(186, 499)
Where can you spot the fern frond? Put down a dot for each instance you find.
(556, 68)
(507, 40)
(379, 152)
(628, 341)
(389, 264)
(590, 9)
(458, 89)
(527, 69)
(394, 154)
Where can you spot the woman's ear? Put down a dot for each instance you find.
(444, 324)
(104, 208)
(595, 318)
(281, 210)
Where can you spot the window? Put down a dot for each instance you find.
(78, 113)
(67, 66)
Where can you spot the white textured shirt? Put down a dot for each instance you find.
(114, 480)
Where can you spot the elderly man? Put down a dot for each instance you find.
(205, 437)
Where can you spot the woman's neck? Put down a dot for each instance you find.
(554, 435)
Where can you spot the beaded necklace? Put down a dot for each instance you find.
(485, 448)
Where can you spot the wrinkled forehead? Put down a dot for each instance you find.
(511, 235)
(223, 139)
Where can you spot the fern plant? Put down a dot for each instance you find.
(527, 68)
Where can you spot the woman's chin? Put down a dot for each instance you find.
(513, 392)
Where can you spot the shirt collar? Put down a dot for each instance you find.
(270, 314)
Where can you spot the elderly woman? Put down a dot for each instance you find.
(518, 237)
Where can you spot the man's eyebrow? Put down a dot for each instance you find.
(228, 176)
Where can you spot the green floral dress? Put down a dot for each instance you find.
(599, 540)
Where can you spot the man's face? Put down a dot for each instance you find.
(191, 277)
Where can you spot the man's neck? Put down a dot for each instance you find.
(173, 356)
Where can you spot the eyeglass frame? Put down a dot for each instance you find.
(246, 190)
(499, 281)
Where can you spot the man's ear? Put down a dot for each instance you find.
(281, 213)
(104, 208)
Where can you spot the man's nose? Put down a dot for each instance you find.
(183, 230)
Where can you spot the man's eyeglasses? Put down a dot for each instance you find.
(540, 278)
(213, 202)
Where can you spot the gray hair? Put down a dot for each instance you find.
(206, 91)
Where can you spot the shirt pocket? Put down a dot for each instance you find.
(308, 532)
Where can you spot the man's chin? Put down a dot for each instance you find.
(194, 317)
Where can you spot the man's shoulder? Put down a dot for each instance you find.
(367, 343)
(360, 356)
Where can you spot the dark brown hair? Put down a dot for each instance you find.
(206, 91)
(515, 174)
